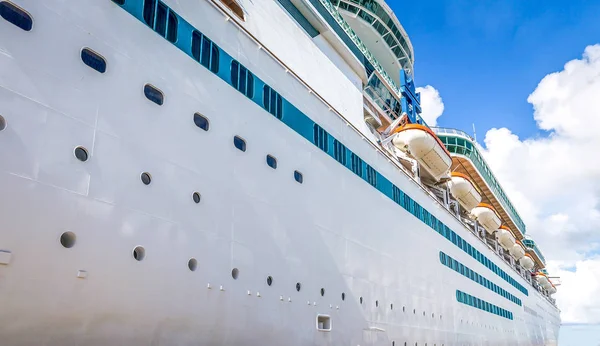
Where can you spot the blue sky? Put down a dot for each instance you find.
(486, 57)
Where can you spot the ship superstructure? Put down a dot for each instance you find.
(224, 172)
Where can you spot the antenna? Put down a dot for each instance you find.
(474, 133)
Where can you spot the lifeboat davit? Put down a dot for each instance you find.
(505, 238)
(517, 251)
(422, 144)
(487, 217)
(464, 191)
(527, 262)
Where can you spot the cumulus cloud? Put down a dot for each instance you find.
(431, 104)
(554, 180)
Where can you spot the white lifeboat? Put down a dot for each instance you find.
(527, 262)
(487, 217)
(505, 238)
(517, 251)
(464, 191)
(552, 290)
(543, 280)
(422, 144)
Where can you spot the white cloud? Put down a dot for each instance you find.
(554, 181)
(431, 104)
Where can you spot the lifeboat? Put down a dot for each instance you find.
(542, 279)
(517, 251)
(552, 290)
(527, 262)
(464, 191)
(487, 217)
(505, 238)
(422, 144)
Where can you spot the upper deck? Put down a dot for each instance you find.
(381, 32)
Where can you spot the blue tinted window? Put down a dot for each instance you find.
(321, 138)
(242, 79)
(16, 16)
(271, 161)
(201, 121)
(205, 51)
(298, 177)
(239, 143)
(371, 176)
(93, 60)
(339, 152)
(272, 102)
(357, 164)
(153, 94)
(161, 19)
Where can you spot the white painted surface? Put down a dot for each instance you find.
(251, 217)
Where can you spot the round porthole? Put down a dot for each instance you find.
(269, 280)
(360, 300)
(196, 197)
(81, 154)
(235, 273)
(2, 123)
(343, 296)
(391, 306)
(146, 178)
(377, 303)
(67, 239)
(139, 253)
(193, 264)
(298, 286)
(322, 292)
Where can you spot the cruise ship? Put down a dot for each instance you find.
(245, 172)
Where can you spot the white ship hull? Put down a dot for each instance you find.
(333, 232)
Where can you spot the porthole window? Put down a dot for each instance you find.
(298, 286)
(67, 239)
(239, 143)
(377, 303)
(139, 253)
(322, 292)
(360, 300)
(298, 177)
(269, 280)
(391, 306)
(343, 296)
(16, 15)
(81, 154)
(235, 273)
(146, 178)
(271, 161)
(153, 94)
(192, 264)
(93, 60)
(196, 197)
(201, 121)
(2, 123)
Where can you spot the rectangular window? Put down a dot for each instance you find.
(205, 51)
(371, 176)
(321, 138)
(272, 102)
(242, 79)
(161, 19)
(339, 152)
(357, 165)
